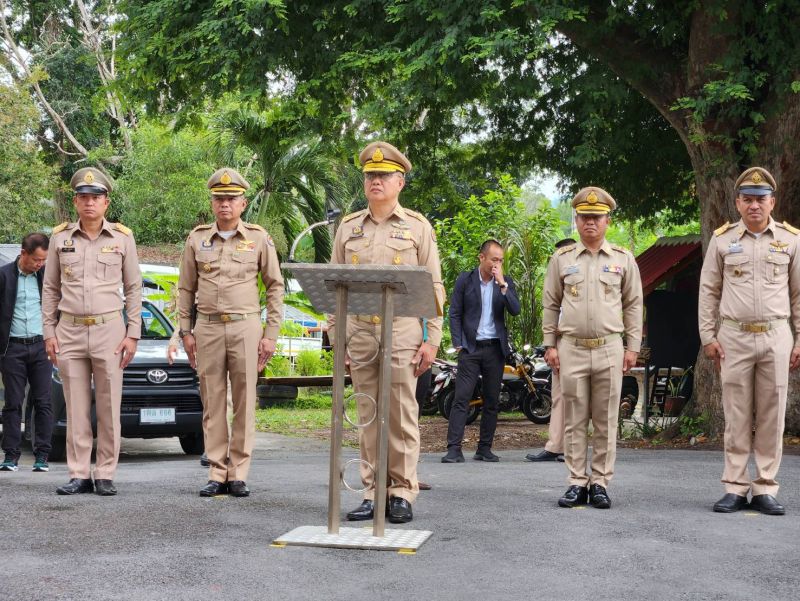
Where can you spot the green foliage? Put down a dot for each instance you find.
(309, 363)
(278, 366)
(292, 329)
(161, 193)
(694, 426)
(26, 182)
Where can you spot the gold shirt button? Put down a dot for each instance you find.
(397, 260)
(376, 320)
(777, 271)
(737, 272)
(206, 268)
(354, 260)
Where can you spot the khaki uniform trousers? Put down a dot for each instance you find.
(403, 448)
(86, 354)
(755, 379)
(555, 442)
(591, 382)
(225, 349)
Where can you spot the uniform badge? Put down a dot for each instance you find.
(572, 269)
(68, 271)
(400, 234)
(573, 290)
(69, 242)
(246, 246)
(778, 247)
(757, 179)
(207, 243)
(357, 232)
(735, 247)
(402, 225)
(612, 269)
(109, 249)
(206, 268)
(354, 259)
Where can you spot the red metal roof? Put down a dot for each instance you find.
(664, 258)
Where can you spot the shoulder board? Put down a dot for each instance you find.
(61, 227)
(565, 249)
(121, 228)
(723, 228)
(620, 249)
(788, 227)
(254, 226)
(205, 226)
(414, 214)
(354, 215)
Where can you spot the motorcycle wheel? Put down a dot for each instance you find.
(428, 406)
(538, 406)
(449, 398)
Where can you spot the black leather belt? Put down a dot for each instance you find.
(31, 340)
(489, 342)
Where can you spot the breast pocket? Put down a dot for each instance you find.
(207, 263)
(356, 250)
(244, 264)
(738, 269)
(777, 271)
(611, 284)
(71, 266)
(574, 286)
(402, 252)
(109, 266)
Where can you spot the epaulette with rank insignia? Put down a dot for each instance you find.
(788, 227)
(565, 249)
(414, 214)
(254, 226)
(203, 226)
(121, 228)
(723, 228)
(60, 227)
(354, 215)
(619, 249)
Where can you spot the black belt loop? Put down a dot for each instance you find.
(31, 340)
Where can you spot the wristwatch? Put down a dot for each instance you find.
(183, 333)
(504, 285)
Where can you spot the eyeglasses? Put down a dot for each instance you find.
(373, 175)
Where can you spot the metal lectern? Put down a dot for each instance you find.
(387, 291)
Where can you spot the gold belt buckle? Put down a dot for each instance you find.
(89, 321)
(755, 328)
(225, 317)
(594, 342)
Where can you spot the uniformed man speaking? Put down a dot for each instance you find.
(388, 234)
(750, 282)
(219, 272)
(596, 289)
(84, 331)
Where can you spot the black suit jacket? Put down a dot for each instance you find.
(465, 310)
(9, 274)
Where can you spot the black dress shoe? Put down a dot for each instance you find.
(76, 486)
(453, 456)
(575, 495)
(598, 497)
(767, 504)
(365, 511)
(204, 460)
(730, 503)
(238, 488)
(213, 489)
(543, 456)
(485, 455)
(104, 488)
(400, 511)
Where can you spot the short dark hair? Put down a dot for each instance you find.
(488, 244)
(564, 242)
(33, 241)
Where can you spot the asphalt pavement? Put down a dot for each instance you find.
(497, 533)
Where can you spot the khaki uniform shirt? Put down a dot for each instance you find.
(223, 275)
(404, 238)
(84, 277)
(595, 294)
(749, 279)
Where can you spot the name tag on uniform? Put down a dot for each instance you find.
(246, 246)
(68, 249)
(572, 269)
(735, 247)
(612, 269)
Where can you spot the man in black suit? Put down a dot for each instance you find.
(22, 353)
(478, 329)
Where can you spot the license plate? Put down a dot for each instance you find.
(160, 415)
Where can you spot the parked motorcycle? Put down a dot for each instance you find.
(525, 386)
(444, 391)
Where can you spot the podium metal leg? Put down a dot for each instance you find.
(337, 412)
(384, 396)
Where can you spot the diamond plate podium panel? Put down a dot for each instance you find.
(413, 286)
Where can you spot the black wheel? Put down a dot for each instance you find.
(538, 406)
(271, 395)
(473, 409)
(58, 448)
(192, 444)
